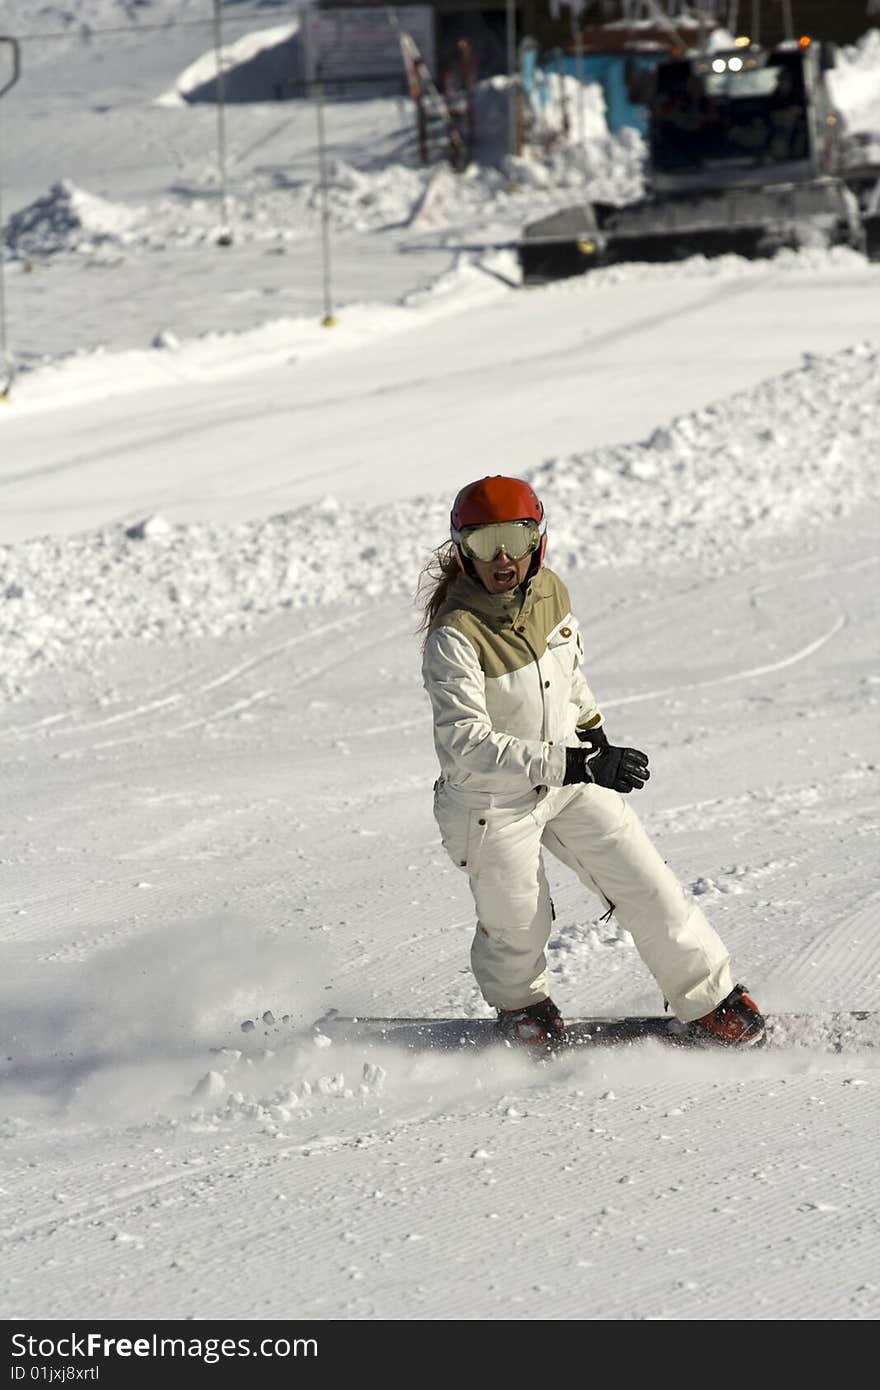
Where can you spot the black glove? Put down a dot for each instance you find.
(621, 769)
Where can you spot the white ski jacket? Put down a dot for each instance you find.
(503, 672)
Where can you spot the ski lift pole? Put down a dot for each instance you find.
(787, 19)
(512, 88)
(225, 237)
(578, 40)
(329, 319)
(7, 369)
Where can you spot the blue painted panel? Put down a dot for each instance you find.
(609, 70)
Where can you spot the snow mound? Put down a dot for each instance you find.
(798, 449)
(566, 110)
(489, 203)
(855, 86)
(363, 201)
(67, 218)
(789, 454)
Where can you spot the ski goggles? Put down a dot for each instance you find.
(515, 538)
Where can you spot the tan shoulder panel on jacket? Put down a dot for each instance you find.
(507, 631)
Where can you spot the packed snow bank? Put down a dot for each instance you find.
(97, 375)
(68, 218)
(790, 454)
(559, 111)
(487, 203)
(517, 190)
(855, 86)
(787, 455)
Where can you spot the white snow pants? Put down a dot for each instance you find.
(596, 834)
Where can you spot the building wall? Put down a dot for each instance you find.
(841, 20)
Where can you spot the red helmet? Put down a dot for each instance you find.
(496, 499)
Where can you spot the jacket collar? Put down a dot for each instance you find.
(500, 610)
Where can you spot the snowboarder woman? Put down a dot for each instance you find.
(526, 766)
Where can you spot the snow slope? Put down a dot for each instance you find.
(217, 769)
(199, 832)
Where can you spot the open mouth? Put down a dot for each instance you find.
(504, 576)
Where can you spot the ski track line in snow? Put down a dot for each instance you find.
(792, 660)
(174, 701)
(16, 730)
(824, 571)
(96, 1208)
(100, 1207)
(419, 723)
(214, 684)
(39, 725)
(292, 684)
(139, 711)
(226, 713)
(779, 799)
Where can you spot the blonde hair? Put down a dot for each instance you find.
(434, 583)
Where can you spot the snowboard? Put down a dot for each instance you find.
(836, 1031)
